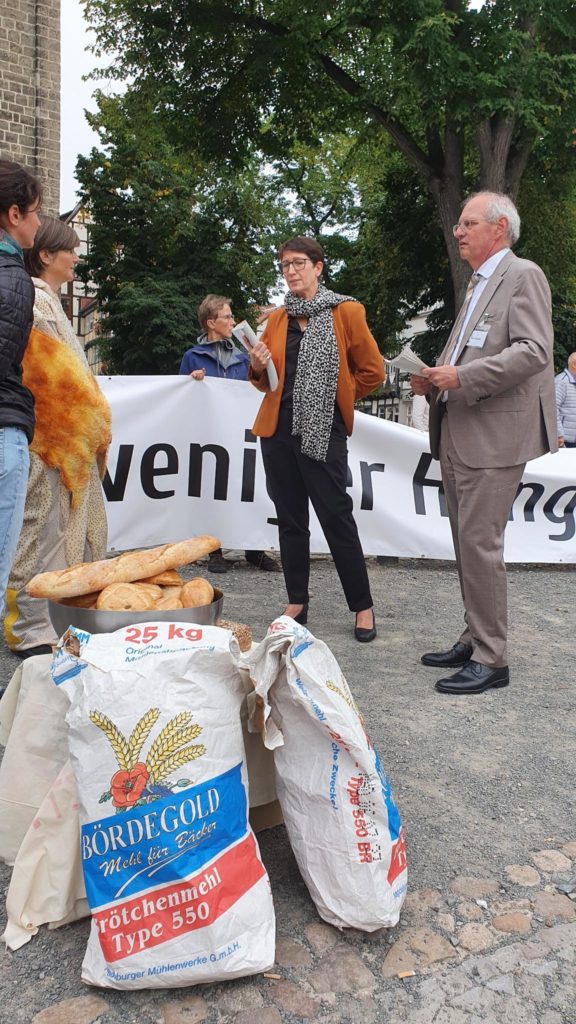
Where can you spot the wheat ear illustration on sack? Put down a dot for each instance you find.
(140, 782)
(344, 691)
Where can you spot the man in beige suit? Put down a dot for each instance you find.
(492, 408)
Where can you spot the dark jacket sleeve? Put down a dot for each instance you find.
(187, 364)
(16, 314)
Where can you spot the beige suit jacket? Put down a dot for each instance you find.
(504, 412)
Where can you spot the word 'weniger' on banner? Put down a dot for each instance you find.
(163, 460)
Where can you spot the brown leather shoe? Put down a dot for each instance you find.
(217, 562)
(261, 560)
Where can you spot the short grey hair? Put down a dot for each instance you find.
(572, 359)
(500, 205)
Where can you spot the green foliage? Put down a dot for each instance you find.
(265, 73)
(398, 265)
(564, 320)
(373, 120)
(548, 205)
(167, 229)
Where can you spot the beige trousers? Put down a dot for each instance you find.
(479, 503)
(54, 536)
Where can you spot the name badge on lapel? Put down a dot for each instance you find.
(478, 338)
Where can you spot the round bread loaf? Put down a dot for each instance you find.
(150, 588)
(196, 592)
(172, 592)
(168, 604)
(125, 597)
(88, 577)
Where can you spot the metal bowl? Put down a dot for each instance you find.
(96, 620)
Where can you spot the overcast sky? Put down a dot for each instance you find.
(77, 137)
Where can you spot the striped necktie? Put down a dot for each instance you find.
(442, 397)
(462, 315)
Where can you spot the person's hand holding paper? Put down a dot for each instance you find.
(260, 358)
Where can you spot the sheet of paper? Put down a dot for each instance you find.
(407, 361)
(245, 335)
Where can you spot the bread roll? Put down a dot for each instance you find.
(170, 578)
(168, 604)
(149, 588)
(242, 632)
(88, 577)
(172, 592)
(196, 592)
(125, 597)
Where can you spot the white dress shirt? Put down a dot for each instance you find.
(484, 272)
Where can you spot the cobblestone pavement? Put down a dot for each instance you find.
(485, 787)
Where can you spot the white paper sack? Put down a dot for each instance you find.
(172, 870)
(343, 826)
(45, 886)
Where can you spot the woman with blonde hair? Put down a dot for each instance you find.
(64, 516)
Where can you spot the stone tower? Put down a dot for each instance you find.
(30, 90)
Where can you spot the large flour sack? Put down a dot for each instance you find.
(173, 874)
(341, 820)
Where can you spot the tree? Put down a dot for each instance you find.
(465, 95)
(548, 202)
(168, 228)
(398, 265)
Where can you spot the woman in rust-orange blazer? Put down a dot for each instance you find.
(361, 367)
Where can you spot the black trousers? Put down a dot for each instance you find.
(293, 479)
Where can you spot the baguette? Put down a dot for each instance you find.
(126, 568)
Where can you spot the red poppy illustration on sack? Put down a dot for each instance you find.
(140, 782)
(127, 787)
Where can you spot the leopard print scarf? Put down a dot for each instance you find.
(317, 371)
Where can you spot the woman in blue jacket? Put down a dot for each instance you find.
(216, 355)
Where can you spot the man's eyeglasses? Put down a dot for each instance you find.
(297, 263)
(464, 226)
(225, 316)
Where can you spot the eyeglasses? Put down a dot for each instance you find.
(465, 225)
(297, 263)
(225, 316)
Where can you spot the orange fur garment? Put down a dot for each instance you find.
(73, 419)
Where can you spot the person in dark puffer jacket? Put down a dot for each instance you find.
(20, 198)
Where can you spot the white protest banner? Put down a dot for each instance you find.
(183, 461)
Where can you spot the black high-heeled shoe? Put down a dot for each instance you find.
(365, 636)
(302, 617)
